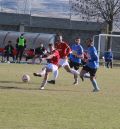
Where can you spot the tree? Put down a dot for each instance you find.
(107, 10)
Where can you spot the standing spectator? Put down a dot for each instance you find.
(8, 51)
(20, 46)
(75, 57)
(108, 58)
(91, 66)
(39, 52)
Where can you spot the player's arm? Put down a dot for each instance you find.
(49, 56)
(80, 53)
(67, 50)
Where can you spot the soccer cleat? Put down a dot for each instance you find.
(42, 88)
(51, 81)
(75, 83)
(37, 74)
(96, 90)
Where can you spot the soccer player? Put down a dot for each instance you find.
(64, 51)
(91, 66)
(108, 57)
(52, 66)
(75, 57)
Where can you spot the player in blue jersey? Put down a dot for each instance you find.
(108, 57)
(75, 57)
(91, 66)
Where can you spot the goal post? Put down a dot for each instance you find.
(101, 44)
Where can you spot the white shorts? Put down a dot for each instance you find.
(52, 67)
(63, 62)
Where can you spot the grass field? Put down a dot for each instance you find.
(60, 106)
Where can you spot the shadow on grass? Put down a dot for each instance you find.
(19, 88)
(16, 82)
(27, 88)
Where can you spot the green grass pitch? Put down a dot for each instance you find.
(60, 106)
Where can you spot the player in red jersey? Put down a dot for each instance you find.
(52, 66)
(64, 51)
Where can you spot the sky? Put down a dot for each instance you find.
(45, 8)
(54, 7)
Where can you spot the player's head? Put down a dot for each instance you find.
(109, 49)
(41, 44)
(9, 42)
(77, 40)
(58, 37)
(89, 42)
(51, 47)
(21, 35)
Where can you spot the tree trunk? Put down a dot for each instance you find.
(110, 26)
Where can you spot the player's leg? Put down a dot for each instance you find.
(7, 56)
(111, 64)
(72, 65)
(107, 64)
(44, 82)
(18, 51)
(41, 73)
(21, 52)
(83, 72)
(65, 64)
(55, 73)
(76, 67)
(93, 80)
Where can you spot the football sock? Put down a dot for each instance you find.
(55, 74)
(94, 83)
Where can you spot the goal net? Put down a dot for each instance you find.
(100, 42)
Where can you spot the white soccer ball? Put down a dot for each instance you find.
(25, 78)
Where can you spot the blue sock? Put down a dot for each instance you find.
(94, 82)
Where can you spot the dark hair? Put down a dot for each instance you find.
(9, 41)
(50, 44)
(77, 38)
(22, 34)
(59, 34)
(90, 40)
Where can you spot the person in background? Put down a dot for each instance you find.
(108, 58)
(20, 46)
(91, 66)
(39, 52)
(8, 51)
(75, 57)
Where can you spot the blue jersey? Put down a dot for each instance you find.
(79, 51)
(108, 56)
(93, 61)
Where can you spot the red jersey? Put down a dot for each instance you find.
(55, 58)
(63, 49)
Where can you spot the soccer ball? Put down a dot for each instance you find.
(25, 78)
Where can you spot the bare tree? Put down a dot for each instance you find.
(107, 10)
